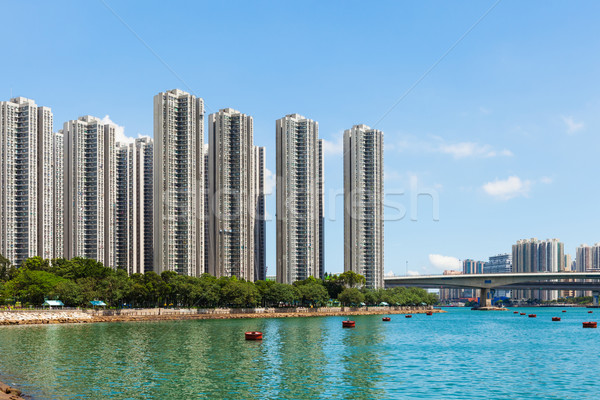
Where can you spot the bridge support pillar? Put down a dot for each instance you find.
(595, 298)
(484, 298)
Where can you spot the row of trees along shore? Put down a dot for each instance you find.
(78, 281)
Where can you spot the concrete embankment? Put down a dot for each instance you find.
(24, 317)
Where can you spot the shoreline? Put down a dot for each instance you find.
(75, 317)
(9, 393)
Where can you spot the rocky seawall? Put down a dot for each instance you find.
(89, 316)
(9, 393)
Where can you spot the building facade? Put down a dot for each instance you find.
(27, 180)
(363, 203)
(89, 183)
(232, 195)
(533, 255)
(472, 267)
(499, 264)
(178, 183)
(300, 194)
(59, 194)
(260, 232)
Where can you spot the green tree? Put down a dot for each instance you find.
(352, 279)
(351, 296)
(310, 292)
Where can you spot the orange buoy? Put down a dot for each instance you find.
(523, 313)
(590, 324)
(532, 315)
(429, 313)
(589, 312)
(555, 318)
(253, 335)
(348, 324)
(386, 319)
(564, 310)
(515, 312)
(408, 316)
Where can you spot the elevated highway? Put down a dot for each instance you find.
(487, 282)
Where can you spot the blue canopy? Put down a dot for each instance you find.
(98, 303)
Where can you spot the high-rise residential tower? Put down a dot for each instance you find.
(124, 206)
(143, 163)
(178, 183)
(232, 194)
(58, 163)
(363, 203)
(134, 207)
(27, 180)
(260, 234)
(299, 199)
(89, 229)
(534, 255)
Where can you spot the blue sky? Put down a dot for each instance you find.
(503, 130)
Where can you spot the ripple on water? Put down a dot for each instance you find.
(461, 354)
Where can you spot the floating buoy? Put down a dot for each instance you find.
(515, 312)
(408, 316)
(386, 319)
(564, 310)
(555, 318)
(590, 324)
(348, 324)
(253, 335)
(532, 315)
(429, 313)
(523, 313)
(589, 312)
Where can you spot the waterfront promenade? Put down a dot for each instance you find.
(34, 317)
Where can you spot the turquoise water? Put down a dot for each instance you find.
(458, 355)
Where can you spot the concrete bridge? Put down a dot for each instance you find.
(491, 282)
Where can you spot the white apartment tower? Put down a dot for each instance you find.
(59, 194)
(178, 183)
(143, 163)
(299, 199)
(260, 234)
(134, 210)
(124, 176)
(363, 203)
(26, 180)
(232, 195)
(89, 183)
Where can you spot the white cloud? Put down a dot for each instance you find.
(485, 111)
(119, 131)
(546, 180)
(506, 189)
(270, 180)
(471, 149)
(444, 262)
(334, 147)
(457, 150)
(413, 273)
(390, 273)
(572, 126)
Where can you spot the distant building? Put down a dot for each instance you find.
(472, 267)
(499, 264)
(533, 255)
(450, 294)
